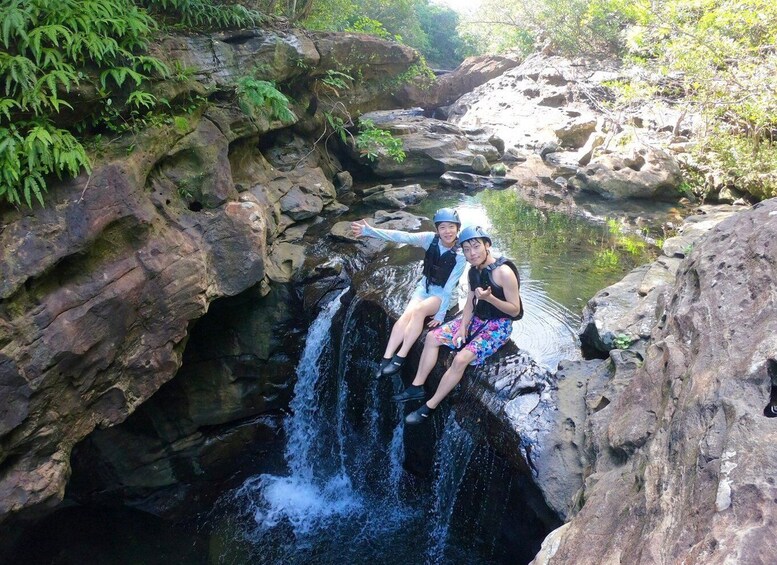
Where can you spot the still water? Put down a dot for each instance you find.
(563, 262)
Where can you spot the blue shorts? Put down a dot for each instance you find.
(420, 292)
(491, 335)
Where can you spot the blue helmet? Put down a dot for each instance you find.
(446, 215)
(473, 232)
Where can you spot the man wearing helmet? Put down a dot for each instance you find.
(493, 302)
(443, 266)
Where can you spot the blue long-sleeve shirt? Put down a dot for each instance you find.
(423, 240)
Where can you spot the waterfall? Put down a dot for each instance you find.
(310, 495)
(453, 454)
(345, 495)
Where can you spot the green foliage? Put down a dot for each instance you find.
(334, 82)
(718, 58)
(30, 152)
(570, 26)
(429, 28)
(48, 48)
(444, 47)
(622, 341)
(372, 141)
(203, 14)
(371, 27)
(261, 94)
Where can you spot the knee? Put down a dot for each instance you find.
(460, 362)
(431, 341)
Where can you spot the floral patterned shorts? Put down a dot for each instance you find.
(493, 335)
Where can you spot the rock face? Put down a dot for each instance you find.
(99, 289)
(681, 458)
(641, 172)
(625, 313)
(447, 88)
(431, 146)
(548, 105)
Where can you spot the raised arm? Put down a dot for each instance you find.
(419, 239)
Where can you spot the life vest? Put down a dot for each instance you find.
(438, 267)
(482, 278)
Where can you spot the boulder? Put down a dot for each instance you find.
(389, 196)
(638, 172)
(431, 146)
(446, 89)
(470, 182)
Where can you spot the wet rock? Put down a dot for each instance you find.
(471, 182)
(389, 196)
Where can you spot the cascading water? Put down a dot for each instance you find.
(312, 493)
(454, 451)
(329, 503)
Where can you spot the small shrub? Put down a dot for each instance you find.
(262, 94)
(371, 141)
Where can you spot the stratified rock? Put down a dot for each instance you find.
(471, 182)
(444, 90)
(396, 197)
(528, 104)
(431, 146)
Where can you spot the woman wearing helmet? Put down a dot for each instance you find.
(493, 302)
(443, 266)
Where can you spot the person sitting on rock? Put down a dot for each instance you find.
(443, 266)
(493, 302)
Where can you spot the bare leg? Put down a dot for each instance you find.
(397, 334)
(428, 359)
(415, 324)
(401, 334)
(451, 377)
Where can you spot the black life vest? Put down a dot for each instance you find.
(437, 267)
(483, 278)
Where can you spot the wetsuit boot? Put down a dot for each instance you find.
(381, 366)
(412, 392)
(419, 416)
(394, 366)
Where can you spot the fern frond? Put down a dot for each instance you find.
(6, 105)
(14, 26)
(150, 65)
(138, 98)
(119, 75)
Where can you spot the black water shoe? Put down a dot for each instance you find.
(419, 416)
(381, 366)
(771, 410)
(394, 366)
(410, 393)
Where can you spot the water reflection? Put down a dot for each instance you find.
(563, 261)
